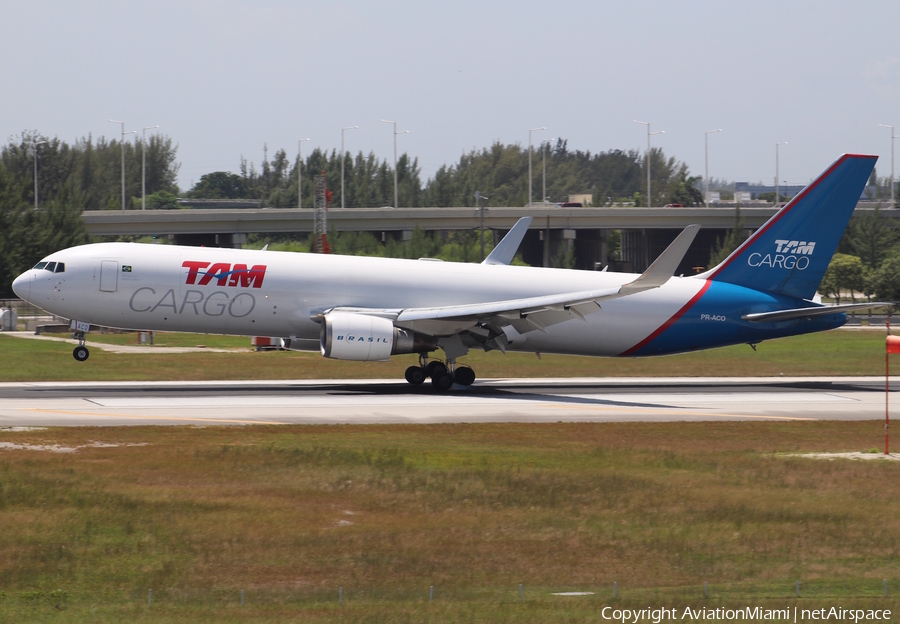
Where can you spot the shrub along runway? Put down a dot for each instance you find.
(389, 402)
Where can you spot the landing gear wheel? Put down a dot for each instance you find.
(415, 375)
(434, 367)
(465, 376)
(442, 381)
(81, 353)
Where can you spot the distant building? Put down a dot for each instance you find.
(755, 190)
(743, 196)
(786, 190)
(714, 196)
(584, 199)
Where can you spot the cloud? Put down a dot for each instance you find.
(235, 23)
(882, 77)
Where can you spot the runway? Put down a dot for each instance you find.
(390, 401)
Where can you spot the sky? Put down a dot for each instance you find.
(224, 77)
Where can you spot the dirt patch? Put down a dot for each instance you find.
(58, 448)
(890, 457)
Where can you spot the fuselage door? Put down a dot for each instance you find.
(109, 275)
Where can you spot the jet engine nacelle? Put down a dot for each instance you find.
(350, 336)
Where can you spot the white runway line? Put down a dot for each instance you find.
(249, 401)
(710, 398)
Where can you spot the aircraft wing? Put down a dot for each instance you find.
(797, 313)
(532, 313)
(524, 314)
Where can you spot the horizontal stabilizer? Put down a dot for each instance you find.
(798, 313)
(506, 249)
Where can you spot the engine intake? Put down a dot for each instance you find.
(364, 338)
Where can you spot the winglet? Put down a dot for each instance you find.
(506, 249)
(665, 265)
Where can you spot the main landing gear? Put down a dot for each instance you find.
(443, 376)
(81, 352)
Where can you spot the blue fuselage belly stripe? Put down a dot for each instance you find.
(662, 328)
(714, 320)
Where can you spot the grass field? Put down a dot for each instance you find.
(290, 514)
(841, 352)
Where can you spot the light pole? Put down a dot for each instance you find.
(649, 134)
(478, 198)
(299, 166)
(893, 136)
(544, 163)
(342, 160)
(144, 166)
(706, 195)
(123, 155)
(34, 145)
(529, 161)
(395, 156)
(776, 170)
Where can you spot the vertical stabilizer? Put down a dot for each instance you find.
(789, 254)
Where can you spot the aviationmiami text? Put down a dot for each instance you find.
(789, 614)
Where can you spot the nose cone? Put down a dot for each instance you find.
(22, 285)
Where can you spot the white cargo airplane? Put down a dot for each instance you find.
(362, 308)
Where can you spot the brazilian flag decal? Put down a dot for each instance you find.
(126, 268)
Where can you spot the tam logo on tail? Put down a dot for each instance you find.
(796, 247)
(789, 254)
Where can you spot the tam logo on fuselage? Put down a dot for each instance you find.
(789, 254)
(225, 274)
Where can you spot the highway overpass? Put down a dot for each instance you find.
(645, 231)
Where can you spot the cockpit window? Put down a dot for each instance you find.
(40, 265)
(60, 267)
(51, 266)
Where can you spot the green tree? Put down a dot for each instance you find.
(564, 258)
(844, 273)
(368, 181)
(162, 200)
(93, 169)
(886, 279)
(733, 239)
(501, 172)
(685, 191)
(27, 235)
(12, 206)
(871, 237)
(219, 185)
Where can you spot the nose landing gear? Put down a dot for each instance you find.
(442, 376)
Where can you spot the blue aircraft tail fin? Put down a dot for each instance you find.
(790, 252)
